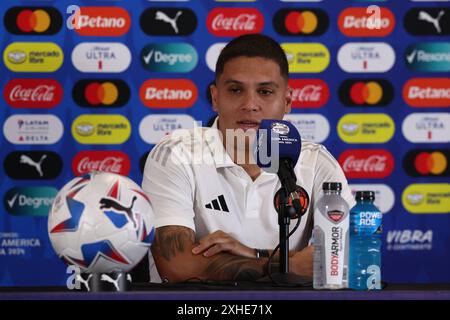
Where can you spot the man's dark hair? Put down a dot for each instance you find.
(253, 45)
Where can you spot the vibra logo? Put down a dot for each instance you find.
(101, 129)
(366, 163)
(232, 22)
(169, 57)
(428, 21)
(427, 198)
(427, 92)
(102, 57)
(313, 127)
(427, 127)
(168, 93)
(304, 22)
(33, 165)
(33, 129)
(428, 56)
(168, 21)
(309, 93)
(366, 92)
(427, 163)
(363, 22)
(105, 161)
(33, 20)
(366, 57)
(33, 93)
(306, 57)
(29, 201)
(101, 93)
(366, 128)
(31, 57)
(154, 127)
(408, 239)
(384, 196)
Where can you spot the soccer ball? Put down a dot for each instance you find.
(101, 222)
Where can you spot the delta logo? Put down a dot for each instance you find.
(101, 57)
(428, 21)
(232, 22)
(427, 198)
(100, 21)
(105, 161)
(366, 92)
(33, 93)
(33, 21)
(313, 127)
(366, 163)
(366, 57)
(168, 21)
(363, 22)
(366, 128)
(101, 129)
(427, 163)
(428, 57)
(427, 127)
(306, 57)
(168, 93)
(32, 57)
(101, 93)
(309, 93)
(301, 22)
(33, 129)
(169, 57)
(427, 92)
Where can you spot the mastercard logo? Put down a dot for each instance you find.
(427, 198)
(429, 163)
(33, 20)
(366, 92)
(305, 22)
(101, 93)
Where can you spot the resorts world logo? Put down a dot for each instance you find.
(33, 21)
(168, 21)
(101, 93)
(304, 22)
(169, 57)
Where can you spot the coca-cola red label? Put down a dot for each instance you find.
(309, 93)
(231, 22)
(33, 93)
(366, 163)
(107, 161)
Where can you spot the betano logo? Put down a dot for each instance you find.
(313, 127)
(33, 20)
(101, 129)
(168, 93)
(427, 163)
(427, 92)
(306, 57)
(169, 57)
(29, 201)
(427, 127)
(101, 93)
(366, 128)
(428, 57)
(304, 22)
(427, 198)
(309, 93)
(32, 57)
(366, 57)
(232, 22)
(384, 195)
(366, 92)
(101, 57)
(154, 127)
(363, 22)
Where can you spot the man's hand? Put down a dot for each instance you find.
(301, 262)
(220, 241)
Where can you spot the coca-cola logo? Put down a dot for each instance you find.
(106, 161)
(366, 163)
(231, 22)
(33, 93)
(309, 93)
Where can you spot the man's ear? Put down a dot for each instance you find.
(288, 100)
(213, 92)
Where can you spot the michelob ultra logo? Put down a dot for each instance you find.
(169, 57)
(154, 127)
(366, 57)
(306, 57)
(366, 92)
(29, 201)
(301, 22)
(427, 92)
(100, 21)
(428, 57)
(366, 128)
(427, 127)
(33, 20)
(101, 129)
(33, 57)
(212, 54)
(168, 93)
(101, 57)
(101, 93)
(427, 198)
(364, 22)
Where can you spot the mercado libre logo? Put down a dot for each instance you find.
(300, 22)
(33, 21)
(33, 93)
(366, 92)
(306, 57)
(29, 201)
(232, 22)
(362, 22)
(366, 128)
(428, 57)
(101, 160)
(33, 165)
(101, 129)
(105, 93)
(32, 57)
(169, 57)
(168, 21)
(427, 198)
(168, 93)
(427, 163)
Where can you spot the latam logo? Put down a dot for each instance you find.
(366, 128)
(100, 21)
(428, 21)
(363, 22)
(427, 127)
(168, 93)
(232, 22)
(101, 93)
(301, 22)
(309, 93)
(366, 57)
(33, 129)
(427, 92)
(31, 57)
(29, 201)
(101, 129)
(212, 54)
(313, 127)
(106, 161)
(427, 163)
(33, 165)
(33, 93)
(428, 56)
(154, 127)
(408, 239)
(169, 57)
(101, 57)
(306, 57)
(366, 92)
(366, 163)
(384, 195)
(427, 198)
(33, 21)
(168, 21)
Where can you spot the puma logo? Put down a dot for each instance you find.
(115, 282)
(425, 16)
(37, 165)
(79, 278)
(109, 203)
(172, 21)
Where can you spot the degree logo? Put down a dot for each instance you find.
(366, 92)
(33, 20)
(101, 129)
(306, 57)
(427, 92)
(168, 21)
(428, 56)
(427, 198)
(168, 93)
(300, 22)
(29, 201)
(427, 127)
(100, 21)
(169, 57)
(428, 21)
(101, 57)
(427, 163)
(101, 93)
(366, 128)
(362, 22)
(31, 57)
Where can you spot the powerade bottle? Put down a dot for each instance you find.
(365, 243)
(330, 235)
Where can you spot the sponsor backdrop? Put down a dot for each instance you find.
(370, 83)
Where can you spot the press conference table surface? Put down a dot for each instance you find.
(241, 291)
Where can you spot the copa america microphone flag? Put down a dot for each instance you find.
(91, 87)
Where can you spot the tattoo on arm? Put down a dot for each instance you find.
(170, 241)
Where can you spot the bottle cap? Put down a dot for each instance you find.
(335, 186)
(365, 195)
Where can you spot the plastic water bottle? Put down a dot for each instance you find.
(365, 243)
(330, 235)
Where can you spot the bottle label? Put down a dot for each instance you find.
(365, 222)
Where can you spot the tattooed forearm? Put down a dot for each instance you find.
(169, 241)
(227, 266)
